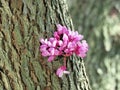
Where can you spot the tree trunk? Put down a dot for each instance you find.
(99, 20)
(22, 24)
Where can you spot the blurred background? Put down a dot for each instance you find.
(99, 22)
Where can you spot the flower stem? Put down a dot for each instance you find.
(64, 61)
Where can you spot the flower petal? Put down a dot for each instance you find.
(61, 70)
(43, 48)
(66, 72)
(59, 29)
(45, 53)
(56, 52)
(51, 58)
(52, 51)
(56, 35)
(65, 37)
(60, 43)
(54, 43)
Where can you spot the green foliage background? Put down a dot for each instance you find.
(99, 21)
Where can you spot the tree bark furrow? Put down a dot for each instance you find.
(22, 24)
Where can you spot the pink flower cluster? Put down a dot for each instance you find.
(64, 43)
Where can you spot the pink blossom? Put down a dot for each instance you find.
(65, 38)
(74, 36)
(61, 29)
(60, 42)
(48, 48)
(81, 49)
(51, 58)
(56, 35)
(63, 43)
(61, 70)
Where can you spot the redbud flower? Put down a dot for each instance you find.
(61, 70)
(81, 49)
(48, 48)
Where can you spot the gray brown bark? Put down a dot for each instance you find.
(22, 23)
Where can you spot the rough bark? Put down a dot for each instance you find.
(99, 20)
(22, 23)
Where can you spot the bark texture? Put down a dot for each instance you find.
(22, 23)
(99, 21)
